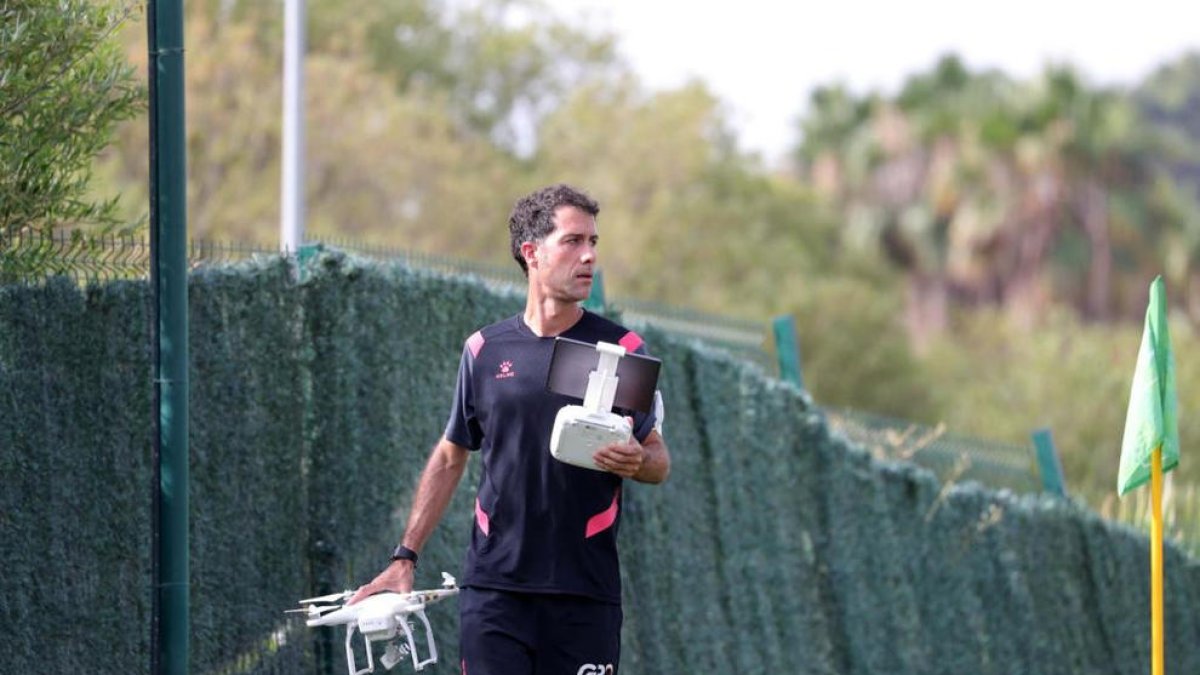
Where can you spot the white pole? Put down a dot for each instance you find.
(291, 226)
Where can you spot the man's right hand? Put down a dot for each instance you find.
(397, 578)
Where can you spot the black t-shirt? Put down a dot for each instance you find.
(541, 525)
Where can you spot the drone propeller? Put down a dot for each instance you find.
(312, 610)
(332, 597)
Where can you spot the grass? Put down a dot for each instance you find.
(1181, 512)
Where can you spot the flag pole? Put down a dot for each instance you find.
(1156, 563)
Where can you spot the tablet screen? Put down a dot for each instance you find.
(573, 361)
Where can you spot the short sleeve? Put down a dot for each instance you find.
(463, 428)
(643, 423)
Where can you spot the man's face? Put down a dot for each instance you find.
(566, 259)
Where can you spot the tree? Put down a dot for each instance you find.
(1169, 102)
(982, 190)
(912, 180)
(383, 167)
(1170, 99)
(501, 65)
(64, 86)
(677, 197)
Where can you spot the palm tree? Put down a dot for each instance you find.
(980, 189)
(1168, 103)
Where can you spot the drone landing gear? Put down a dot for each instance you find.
(395, 650)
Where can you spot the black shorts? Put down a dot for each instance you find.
(507, 633)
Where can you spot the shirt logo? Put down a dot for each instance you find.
(506, 370)
(595, 669)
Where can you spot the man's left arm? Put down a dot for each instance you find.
(645, 462)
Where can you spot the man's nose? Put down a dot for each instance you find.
(589, 254)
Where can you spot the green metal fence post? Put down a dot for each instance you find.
(169, 632)
(787, 350)
(304, 258)
(1048, 463)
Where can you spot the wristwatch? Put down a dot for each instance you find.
(403, 552)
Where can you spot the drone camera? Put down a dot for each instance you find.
(394, 654)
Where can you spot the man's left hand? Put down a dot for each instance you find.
(623, 459)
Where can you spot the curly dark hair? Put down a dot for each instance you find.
(532, 217)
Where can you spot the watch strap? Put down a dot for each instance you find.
(403, 552)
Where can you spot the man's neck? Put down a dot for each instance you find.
(548, 318)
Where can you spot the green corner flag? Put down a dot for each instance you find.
(1152, 417)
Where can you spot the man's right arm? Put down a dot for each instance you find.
(443, 471)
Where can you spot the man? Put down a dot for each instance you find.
(541, 584)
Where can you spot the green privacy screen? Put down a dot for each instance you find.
(776, 545)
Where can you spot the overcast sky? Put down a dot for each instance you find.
(763, 56)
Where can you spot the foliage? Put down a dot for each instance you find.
(855, 351)
(501, 65)
(680, 198)
(985, 191)
(381, 166)
(508, 64)
(999, 379)
(1170, 100)
(64, 86)
(1181, 512)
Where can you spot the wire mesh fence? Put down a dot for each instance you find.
(746, 339)
(953, 458)
(30, 257)
(495, 274)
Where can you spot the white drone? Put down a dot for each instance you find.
(379, 618)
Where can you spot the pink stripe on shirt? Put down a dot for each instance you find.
(475, 343)
(481, 519)
(631, 341)
(605, 519)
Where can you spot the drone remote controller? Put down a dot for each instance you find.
(581, 430)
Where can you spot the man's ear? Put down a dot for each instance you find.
(529, 253)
